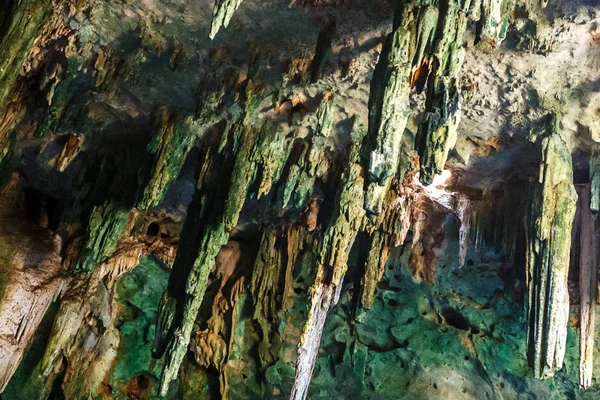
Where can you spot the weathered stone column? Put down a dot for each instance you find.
(585, 240)
(551, 213)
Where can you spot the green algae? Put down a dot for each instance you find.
(170, 144)
(551, 214)
(105, 227)
(138, 294)
(27, 18)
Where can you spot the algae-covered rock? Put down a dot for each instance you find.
(138, 293)
(551, 215)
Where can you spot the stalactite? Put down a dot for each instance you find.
(105, 226)
(268, 273)
(388, 103)
(494, 22)
(203, 234)
(324, 294)
(295, 245)
(71, 147)
(438, 132)
(30, 278)
(93, 349)
(311, 165)
(41, 285)
(228, 169)
(551, 214)
(335, 248)
(170, 145)
(270, 161)
(513, 211)
(585, 240)
(465, 215)
(595, 183)
(374, 268)
(108, 206)
(387, 230)
(82, 335)
(23, 24)
(322, 50)
(222, 12)
(271, 151)
(544, 35)
(211, 346)
(396, 218)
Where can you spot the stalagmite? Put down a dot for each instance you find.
(588, 284)
(551, 213)
(222, 12)
(335, 248)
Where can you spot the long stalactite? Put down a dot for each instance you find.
(551, 214)
(222, 12)
(388, 101)
(438, 133)
(335, 249)
(585, 258)
(206, 229)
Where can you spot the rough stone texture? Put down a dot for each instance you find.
(551, 215)
(585, 253)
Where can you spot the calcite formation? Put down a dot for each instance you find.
(595, 184)
(438, 132)
(389, 108)
(330, 199)
(222, 12)
(21, 25)
(585, 253)
(495, 15)
(551, 214)
(335, 249)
